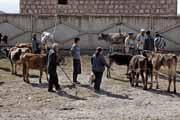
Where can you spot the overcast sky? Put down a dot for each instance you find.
(12, 6)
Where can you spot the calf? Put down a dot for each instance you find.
(14, 56)
(138, 66)
(34, 61)
(167, 60)
(119, 59)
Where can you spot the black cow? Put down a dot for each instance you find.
(119, 59)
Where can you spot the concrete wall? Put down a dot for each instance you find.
(107, 7)
(19, 28)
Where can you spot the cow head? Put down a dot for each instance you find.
(162, 60)
(6, 51)
(103, 37)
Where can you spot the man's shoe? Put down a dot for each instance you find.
(52, 91)
(58, 89)
(77, 82)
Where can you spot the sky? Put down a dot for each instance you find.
(12, 6)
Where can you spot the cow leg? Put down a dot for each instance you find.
(151, 74)
(109, 69)
(12, 68)
(137, 78)
(15, 69)
(144, 82)
(27, 73)
(132, 79)
(41, 72)
(24, 72)
(146, 79)
(170, 80)
(157, 81)
(174, 84)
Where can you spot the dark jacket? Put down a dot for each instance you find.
(35, 46)
(98, 63)
(52, 61)
(149, 43)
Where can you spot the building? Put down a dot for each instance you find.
(99, 7)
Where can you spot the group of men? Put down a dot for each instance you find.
(53, 61)
(3, 38)
(144, 41)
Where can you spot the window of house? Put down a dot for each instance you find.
(62, 2)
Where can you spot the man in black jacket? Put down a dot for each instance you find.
(149, 42)
(52, 67)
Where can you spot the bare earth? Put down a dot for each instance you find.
(117, 100)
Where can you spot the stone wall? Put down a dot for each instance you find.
(107, 7)
(38, 6)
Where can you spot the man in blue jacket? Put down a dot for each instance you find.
(75, 51)
(35, 45)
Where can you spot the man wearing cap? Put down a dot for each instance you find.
(52, 66)
(75, 51)
(140, 39)
(130, 44)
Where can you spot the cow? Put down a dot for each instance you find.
(113, 37)
(24, 45)
(166, 60)
(138, 66)
(29, 45)
(36, 62)
(119, 59)
(14, 55)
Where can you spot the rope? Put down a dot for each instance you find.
(55, 26)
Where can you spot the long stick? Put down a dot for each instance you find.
(66, 75)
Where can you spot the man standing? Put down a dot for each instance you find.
(159, 43)
(75, 51)
(52, 66)
(5, 39)
(35, 45)
(140, 39)
(149, 42)
(130, 44)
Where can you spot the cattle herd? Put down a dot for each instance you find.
(22, 54)
(146, 65)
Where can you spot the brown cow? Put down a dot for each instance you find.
(29, 45)
(34, 61)
(138, 66)
(24, 45)
(167, 60)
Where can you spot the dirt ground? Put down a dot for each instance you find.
(117, 100)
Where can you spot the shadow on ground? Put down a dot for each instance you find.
(5, 69)
(108, 93)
